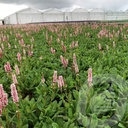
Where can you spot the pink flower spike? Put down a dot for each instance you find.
(14, 93)
(0, 108)
(17, 69)
(24, 52)
(5, 100)
(14, 79)
(7, 67)
(53, 50)
(9, 46)
(60, 82)
(55, 77)
(30, 53)
(1, 104)
(74, 58)
(76, 68)
(43, 79)
(1, 91)
(90, 76)
(99, 46)
(114, 45)
(19, 56)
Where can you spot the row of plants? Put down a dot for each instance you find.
(71, 75)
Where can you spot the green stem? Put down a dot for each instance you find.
(1, 122)
(18, 117)
(7, 120)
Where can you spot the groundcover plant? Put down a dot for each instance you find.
(64, 75)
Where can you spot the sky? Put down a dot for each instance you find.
(8, 7)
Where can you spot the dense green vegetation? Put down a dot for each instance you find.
(40, 49)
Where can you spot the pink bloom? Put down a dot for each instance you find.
(0, 108)
(19, 56)
(60, 82)
(32, 40)
(43, 80)
(32, 46)
(63, 47)
(46, 35)
(58, 40)
(76, 68)
(7, 67)
(52, 50)
(55, 77)
(5, 100)
(17, 69)
(14, 93)
(62, 58)
(2, 46)
(74, 58)
(107, 47)
(21, 42)
(29, 53)
(15, 46)
(90, 76)
(9, 46)
(76, 44)
(72, 45)
(24, 52)
(14, 79)
(64, 61)
(41, 58)
(114, 45)
(99, 46)
(1, 91)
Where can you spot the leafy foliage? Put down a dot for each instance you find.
(42, 104)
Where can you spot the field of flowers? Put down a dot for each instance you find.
(70, 75)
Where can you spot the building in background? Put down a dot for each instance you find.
(31, 15)
(28, 15)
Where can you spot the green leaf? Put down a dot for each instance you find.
(70, 113)
(72, 125)
(75, 94)
(85, 120)
(94, 121)
(25, 126)
(41, 116)
(66, 125)
(55, 125)
(121, 125)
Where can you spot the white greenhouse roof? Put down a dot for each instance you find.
(80, 10)
(53, 10)
(97, 10)
(30, 9)
(23, 10)
(67, 10)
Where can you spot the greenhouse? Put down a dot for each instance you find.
(53, 15)
(67, 15)
(80, 14)
(126, 14)
(30, 15)
(97, 14)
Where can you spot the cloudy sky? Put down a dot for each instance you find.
(10, 6)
